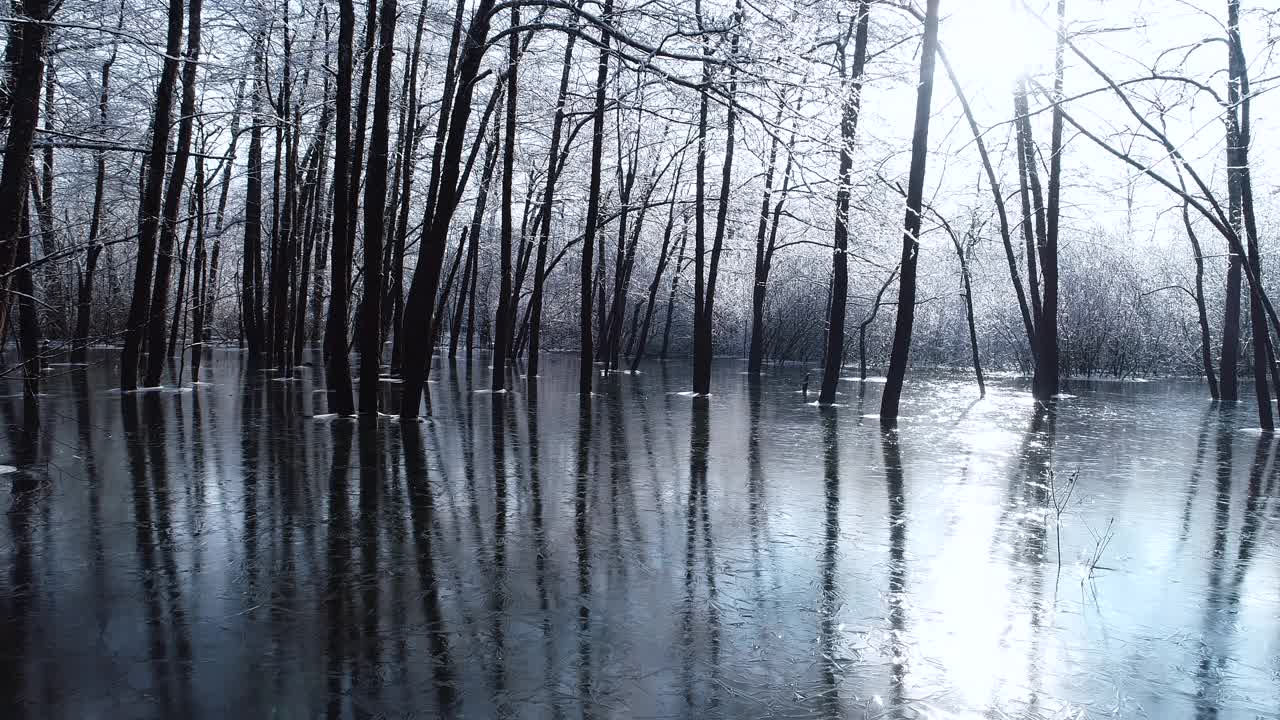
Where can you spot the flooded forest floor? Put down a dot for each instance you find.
(219, 551)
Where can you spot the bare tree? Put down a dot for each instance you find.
(911, 235)
(149, 212)
(851, 96)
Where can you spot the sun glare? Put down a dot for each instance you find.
(989, 42)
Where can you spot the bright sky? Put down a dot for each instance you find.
(990, 42)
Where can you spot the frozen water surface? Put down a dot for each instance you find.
(219, 553)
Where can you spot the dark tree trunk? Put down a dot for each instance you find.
(318, 274)
(911, 234)
(250, 287)
(966, 290)
(759, 284)
(316, 181)
(477, 216)
(337, 362)
(641, 339)
(1032, 198)
(55, 291)
(635, 326)
(210, 292)
(606, 322)
(503, 323)
(28, 323)
(362, 119)
(1202, 312)
(139, 312)
(548, 199)
(852, 101)
(1230, 385)
(585, 356)
(426, 276)
(1231, 304)
(675, 284)
(1239, 138)
(197, 288)
(285, 220)
(409, 148)
(173, 198)
(699, 224)
(705, 285)
(375, 198)
(85, 295)
(468, 271)
(229, 163)
(442, 305)
(443, 117)
(272, 284)
(1045, 379)
(471, 298)
(184, 260)
(622, 282)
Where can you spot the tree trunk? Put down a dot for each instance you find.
(211, 292)
(675, 283)
(759, 284)
(184, 259)
(395, 289)
(966, 290)
(471, 299)
(504, 321)
(664, 255)
(284, 230)
(173, 198)
(585, 357)
(337, 362)
(548, 199)
(622, 283)
(136, 325)
(1045, 379)
(635, 326)
(229, 164)
(426, 276)
(1231, 304)
(607, 322)
(28, 323)
(197, 289)
(911, 233)
(852, 101)
(375, 197)
(705, 284)
(362, 119)
(1032, 197)
(318, 273)
(85, 295)
(461, 304)
(442, 305)
(55, 291)
(251, 290)
(1238, 164)
(313, 186)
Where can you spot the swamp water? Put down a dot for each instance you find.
(220, 553)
